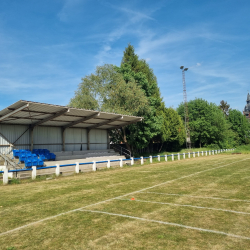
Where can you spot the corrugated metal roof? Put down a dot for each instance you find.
(32, 113)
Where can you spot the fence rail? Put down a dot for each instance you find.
(93, 163)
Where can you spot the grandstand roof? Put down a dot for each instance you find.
(43, 114)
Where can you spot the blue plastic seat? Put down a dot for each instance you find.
(47, 156)
(35, 151)
(52, 156)
(28, 153)
(34, 162)
(16, 153)
(28, 157)
(42, 157)
(22, 157)
(40, 163)
(28, 163)
(34, 156)
(21, 152)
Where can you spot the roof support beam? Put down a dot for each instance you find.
(82, 120)
(120, 126)
(13, 112)
(120, 117)
(51, 117)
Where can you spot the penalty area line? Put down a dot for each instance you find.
(184, 205)
(169, 224)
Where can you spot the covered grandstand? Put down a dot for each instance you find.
(70, 133)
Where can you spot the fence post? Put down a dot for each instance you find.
(150, 159)
(206, 153)
(193, 154)
(166, 158)
(178, 156)
(184, 156)
(201, 153)
(198, 154)
(77, 168)
(121, 162)
(209, 152)
(33, 174)
(94, 166)
(212, 152)
(172, 157)
(108, 164)
(132, 161)
(188, 154)
(5, 176)
(141, 160)
(57, 169)
(159, 158)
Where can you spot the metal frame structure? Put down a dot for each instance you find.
(188, 139)
(34, 114)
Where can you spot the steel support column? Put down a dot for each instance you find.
(63, 138)
(88, 139)
(108, 140)
(31, 138)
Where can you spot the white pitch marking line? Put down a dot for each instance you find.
(184, 205)
(202, 197)
(100, 202)
(169, 223)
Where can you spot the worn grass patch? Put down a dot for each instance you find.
(200, 193)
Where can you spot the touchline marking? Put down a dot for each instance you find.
(184, 205)
(101, 202)
(168, 223)
(202, 197)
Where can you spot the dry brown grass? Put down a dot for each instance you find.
(32, 201)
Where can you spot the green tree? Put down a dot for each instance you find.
(240, 125)
(130, 89)
(172, 134)
(207, 122)
(107, 91)
(141, 134)
(225, 107)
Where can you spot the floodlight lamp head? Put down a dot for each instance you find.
(182, 67)
(185, 69)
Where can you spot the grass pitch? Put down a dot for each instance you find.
(199, 203)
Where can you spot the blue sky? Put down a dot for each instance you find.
(47, 46)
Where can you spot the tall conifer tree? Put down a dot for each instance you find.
(141, 134)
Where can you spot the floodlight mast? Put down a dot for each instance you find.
(188, 140)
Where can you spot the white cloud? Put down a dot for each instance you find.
(134, 15)
(69, 9)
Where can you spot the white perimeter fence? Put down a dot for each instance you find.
(57, 167)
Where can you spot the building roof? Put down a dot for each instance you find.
(247, 106)
(42, 114)
(248, 97)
